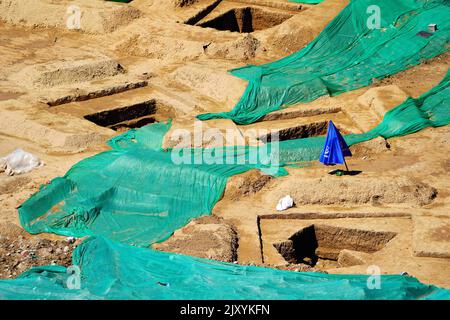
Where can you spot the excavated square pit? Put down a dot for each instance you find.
(244, 20)
(120, 119)
(324, 242)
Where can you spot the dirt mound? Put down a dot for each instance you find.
(68, 72)
(159, 47)
(206, 237)
(94, 16)
(357, 190)
(217, 85)
(242, 49)
(296, 32)
(245, 184)
(49, 131)
(369, 149)
(19, 251)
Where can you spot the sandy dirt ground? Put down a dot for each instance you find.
(64, 92)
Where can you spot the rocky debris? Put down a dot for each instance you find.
(98, 17)
(19, 251)
(206, 237)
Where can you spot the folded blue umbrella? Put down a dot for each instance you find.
(335, 149)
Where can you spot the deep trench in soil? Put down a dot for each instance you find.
(323, 242)
(303, 131)
(132, 116)
(245, 20)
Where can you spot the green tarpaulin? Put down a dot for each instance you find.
(348, 54)
(432, 109)
(134, 194)
(141, 195)
(110, 270)
(137, 194)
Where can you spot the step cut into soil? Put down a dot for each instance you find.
(315, 242)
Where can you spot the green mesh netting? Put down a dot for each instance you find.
(136, 194)
(346, 55)
(432, 109)
(133, 194)
(110, 270)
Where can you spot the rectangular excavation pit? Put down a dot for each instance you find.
(202, 13)
(325, 242)
(244, 20)
(104, 92)
(303, 131)
(132, 116)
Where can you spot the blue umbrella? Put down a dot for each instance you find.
(335, 149)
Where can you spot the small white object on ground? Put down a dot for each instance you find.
(432, 27)
(284, 203)
(71, 239)
(18, 162)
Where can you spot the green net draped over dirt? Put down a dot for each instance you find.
(136, 193)
(348, 54)
(110, 270)
(432, 109)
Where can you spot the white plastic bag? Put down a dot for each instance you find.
(18, 162)
(284, 203)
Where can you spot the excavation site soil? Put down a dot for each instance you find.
(68, 88)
